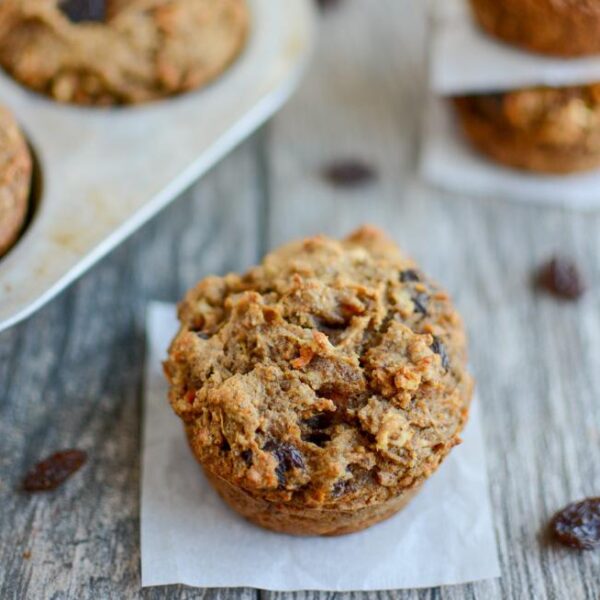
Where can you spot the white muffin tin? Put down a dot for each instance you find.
(105, 172)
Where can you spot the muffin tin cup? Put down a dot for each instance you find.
(107, 171)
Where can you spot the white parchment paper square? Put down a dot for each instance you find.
(448, 162)
(190, 537)
(465, 59)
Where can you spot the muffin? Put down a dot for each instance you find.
(106, 52)
(548, 130)
(322, 388)
(558, 27)
(15, 180)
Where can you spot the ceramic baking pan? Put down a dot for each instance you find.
(103, 173)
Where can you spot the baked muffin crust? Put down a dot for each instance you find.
(15, 180)
(320, 389)
(144, 50)
(549, 130)
(557, 27)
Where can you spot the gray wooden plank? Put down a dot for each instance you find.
(72, 374)
(535, 359)
(71, 377)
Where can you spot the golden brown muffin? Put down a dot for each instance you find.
(15, 180)
(548, 130)
(107, 52)
(557, 27)
(322, 388)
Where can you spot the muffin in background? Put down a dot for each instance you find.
(546, 130)
(15, 180)
(322, 388)
(556, 27)
(120, 51)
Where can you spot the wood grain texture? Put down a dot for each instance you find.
(71, 375)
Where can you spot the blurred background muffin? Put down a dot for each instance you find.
(15, 180)
(119, 51)
(548, 130)
(558, 27)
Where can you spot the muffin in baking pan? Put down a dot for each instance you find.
(547, 130)
(557, 27)
(105, 52)
(322, 388)
(15, 180)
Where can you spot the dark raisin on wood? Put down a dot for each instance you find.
(439, 348)
(420, 300)
(578, 525)
(288, 458)
(51, 472)
(409, 275)
(247, 457)
(562, 278)
(349, 173)
(84, 10)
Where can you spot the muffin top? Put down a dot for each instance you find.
(333, 373)
(556, 116)
(15, 180)
(119, 51)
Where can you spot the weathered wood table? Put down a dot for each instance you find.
(71, 376)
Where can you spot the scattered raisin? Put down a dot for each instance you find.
(247, 457)
(288, 458)
(225, 447)
(84, 10)
(409, 275)
(578, 524)
(561, 277)
(202, 335)
(420, 301)
(349, 173)
(51, 472)
(439, 348)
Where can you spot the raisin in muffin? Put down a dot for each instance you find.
(106, 52)
(323, 387)
(548, 130)
(15, 180)
(558, 27)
